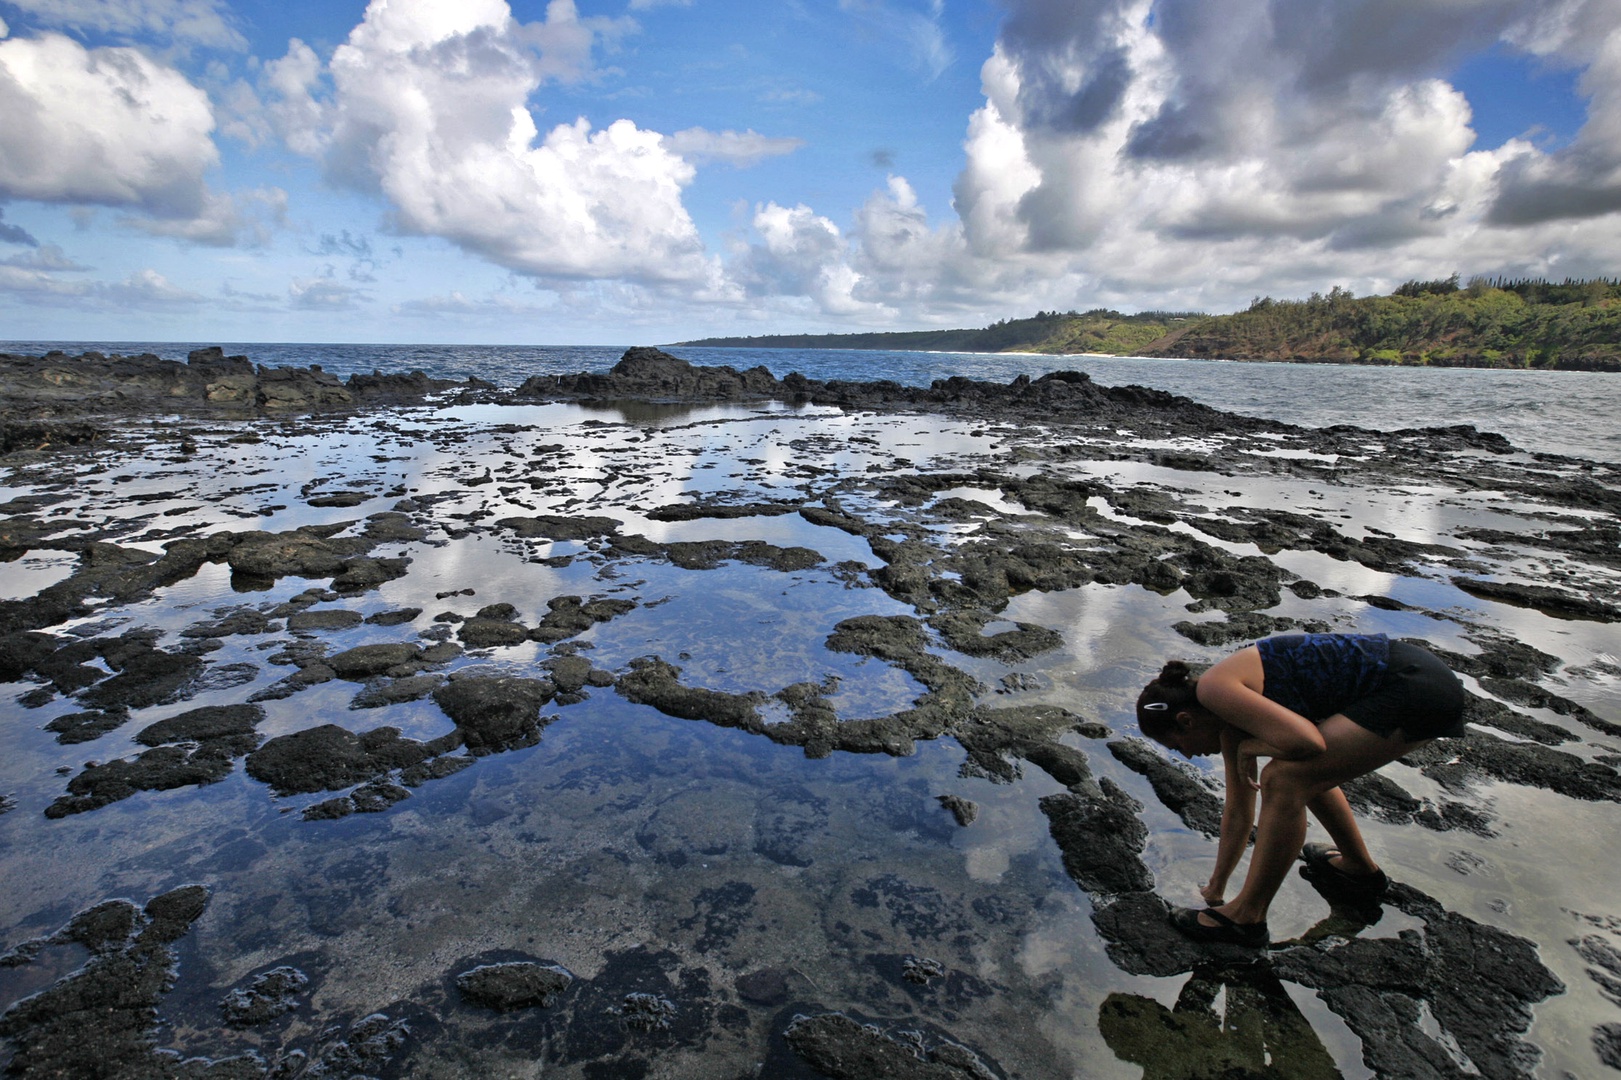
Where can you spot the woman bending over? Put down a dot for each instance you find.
(1325, 708)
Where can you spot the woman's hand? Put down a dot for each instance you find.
(1250, 751)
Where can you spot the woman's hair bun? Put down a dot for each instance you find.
(1174, 673)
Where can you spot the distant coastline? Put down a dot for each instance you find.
(1573, 325)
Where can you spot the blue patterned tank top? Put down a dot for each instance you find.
(1318, 675)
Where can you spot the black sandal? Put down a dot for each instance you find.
(1225, 932)
(1319, 870)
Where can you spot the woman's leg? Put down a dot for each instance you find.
(1333, 812)
(1287, 789)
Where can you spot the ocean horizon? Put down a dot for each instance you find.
(1555, 412)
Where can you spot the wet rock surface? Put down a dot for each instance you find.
(270, 994)
(838, 1046)
(1101, 836)
(513, 985)
(104, 1015)
(861, 639)
(1185, 791)
(209, 381)
(1379, 986)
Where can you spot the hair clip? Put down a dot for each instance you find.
(1157, 706)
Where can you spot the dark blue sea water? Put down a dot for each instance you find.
(1560, 412)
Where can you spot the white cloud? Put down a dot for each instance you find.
(148, 288)
(223, 220)
(1193, 153)
(39, 286)
(142, 290)
(195, 22)
(429, 108)
(112, 127)
(912, 265)
(324, 294)
(800, 254)
(288, 103)
(738, 148)
(1582, 180)
(106, 126)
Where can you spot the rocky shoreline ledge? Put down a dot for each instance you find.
(1051, 487)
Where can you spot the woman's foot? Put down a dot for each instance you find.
(1211, 927)
(1326, 867)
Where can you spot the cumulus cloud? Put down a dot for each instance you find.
(113, 127)
(288, 103)
(799, 253)
(106, 126)
(428, 107)
(37, 286)
(148, 288)
(194, 22)
(1582, 180)
(738, 148)
(903, 259)
(1189, 151)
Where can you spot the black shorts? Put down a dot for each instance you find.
(1419, 697)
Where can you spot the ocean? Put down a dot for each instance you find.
(1557, 412)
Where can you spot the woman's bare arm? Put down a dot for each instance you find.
(1237, 814)
(1232, 690)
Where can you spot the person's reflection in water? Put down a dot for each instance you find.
(1258, 1032)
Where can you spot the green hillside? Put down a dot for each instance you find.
(1509, 324)
(1573, 325)
(1098, 331)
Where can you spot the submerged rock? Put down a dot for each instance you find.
(329, 758)
(646, 1012)
(271, 994)
(964, 810)
(495, 713)
(102, 1020)
(1102, 838)
(211, 739)
(514, 985)
(838, 1046)
(767, 987)
(1184, 790)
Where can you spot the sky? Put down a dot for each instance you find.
(647, 171)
